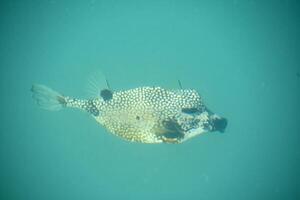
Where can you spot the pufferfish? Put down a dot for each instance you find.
(143, 114)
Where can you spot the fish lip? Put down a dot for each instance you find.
(219, 124)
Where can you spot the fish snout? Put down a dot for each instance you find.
(219, 123)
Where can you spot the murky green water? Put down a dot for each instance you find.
(242, 56)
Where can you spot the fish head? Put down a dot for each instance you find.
(190, 122)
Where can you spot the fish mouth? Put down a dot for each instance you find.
(219, 124)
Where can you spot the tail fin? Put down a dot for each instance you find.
(47, 98)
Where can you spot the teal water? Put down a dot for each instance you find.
(242, 56)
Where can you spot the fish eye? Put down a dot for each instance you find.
(189, 110)
(106, 94)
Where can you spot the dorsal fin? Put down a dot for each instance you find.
(106, 94)
(99, 86)
(179, 83)
(107, 84)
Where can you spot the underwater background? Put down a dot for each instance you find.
(242, 56)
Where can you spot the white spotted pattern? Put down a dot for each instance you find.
(138, 114)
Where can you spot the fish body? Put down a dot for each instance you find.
(143, 114)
